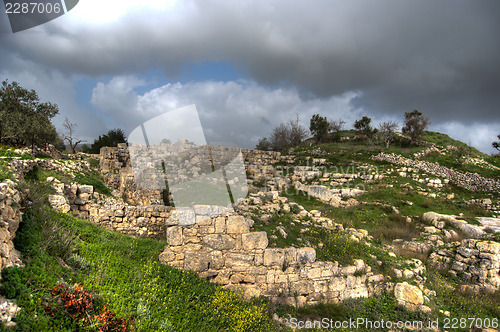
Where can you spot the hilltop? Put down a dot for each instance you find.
(341, 230)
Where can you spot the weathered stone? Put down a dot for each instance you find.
(237, 225)
(216, 260)
(254, 240)
(174, 235)
(196, 261)
(219, 241)
(408, 295)
(59, 202)
(489, 246)
(85, 189)
(220, 225)
(274, 257)
(233, 259)
(306, 255)
(167, 255)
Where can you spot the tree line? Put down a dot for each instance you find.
(26, 121)
(292, 133)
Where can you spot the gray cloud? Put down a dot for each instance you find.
(56, 87)
(235, 112)
(395, 56)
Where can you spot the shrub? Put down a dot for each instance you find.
(364, 129)
(12, 282)
(415, 124)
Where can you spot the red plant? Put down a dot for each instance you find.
(80, 304)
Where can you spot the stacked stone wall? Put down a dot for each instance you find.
(224, 250)
(475, 261)
(10, 217)
(470, 181)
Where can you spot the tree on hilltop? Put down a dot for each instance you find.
(387, 132)
(284, 135)
(110, 139)
(319, 127)
(496, 145)
(69, 134)
(24, 120)
(364, 129)
(334, 127)
(415, 124)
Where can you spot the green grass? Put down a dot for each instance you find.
(462, 303)
(89, 177)
(380, 221)
(375, 309)
(94, 179)
(123, 271)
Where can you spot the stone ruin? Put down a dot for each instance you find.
(222, 247)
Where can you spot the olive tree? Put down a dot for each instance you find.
(415, 125)
(24, 120)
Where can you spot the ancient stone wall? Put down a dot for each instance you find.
(115, 166)
(10, 217)
(224, 250)
(113, 214)
(475, 261)
(470, 181)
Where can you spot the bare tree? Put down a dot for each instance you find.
(286, 135)
(297, 131)
(335, 126)
(387, 132)
(68, 135)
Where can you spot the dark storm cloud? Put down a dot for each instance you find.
(441, 57)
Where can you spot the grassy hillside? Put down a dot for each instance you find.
(121, 272)
(127, 284)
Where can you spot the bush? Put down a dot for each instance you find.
(111, 139)
(415, 124)
(319, 127)
(286, 135)
(12, 282)
(364, 129)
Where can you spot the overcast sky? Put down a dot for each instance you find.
(250, 65)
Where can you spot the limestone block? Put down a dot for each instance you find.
(408, 295)
(237, 225)
(216, 260)
(219, 241)
(174, 235)
(85, 189)
(237, 259)
(489, 246)
(466, 252)
(314, 273)
(4, 235)
(59, 202)
(119, 213)
(220, 225)
(274, 257)
(197, 261)
(191, 239)
(306, 255)
(167, 255)
(290, 256)
(254, 240)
